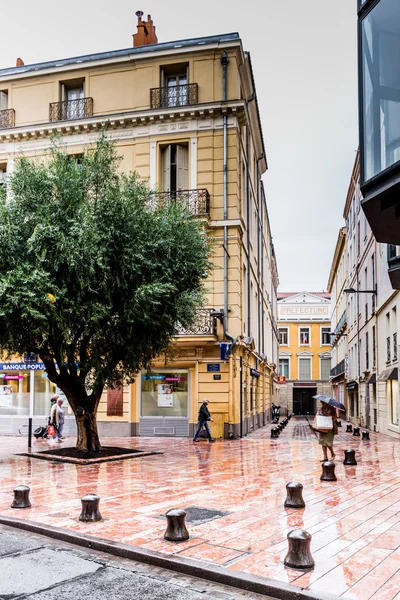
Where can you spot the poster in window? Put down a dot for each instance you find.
(165, 395)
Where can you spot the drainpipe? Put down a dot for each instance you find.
(224, 62)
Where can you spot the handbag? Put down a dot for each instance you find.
(51, 430)
(322, 423)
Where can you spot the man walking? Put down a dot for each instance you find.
(204, 417)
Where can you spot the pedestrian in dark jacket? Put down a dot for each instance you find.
(204, 417)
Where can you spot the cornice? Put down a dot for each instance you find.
(123, 120)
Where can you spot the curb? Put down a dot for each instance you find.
(187, 566)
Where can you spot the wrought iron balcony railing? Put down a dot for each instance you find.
(205, 325)
(340, 367)
(197, 201)
(7, 118)
(177, 95)
(70, 110)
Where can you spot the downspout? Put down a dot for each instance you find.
(224, 62)
(248, 217)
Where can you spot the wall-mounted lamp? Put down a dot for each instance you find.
(353, 291)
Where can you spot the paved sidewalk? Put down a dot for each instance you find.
(40, 569)
(355, 522)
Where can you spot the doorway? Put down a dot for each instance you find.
(303, 401)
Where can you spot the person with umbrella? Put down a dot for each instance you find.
(328, 409)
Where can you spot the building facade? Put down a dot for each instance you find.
(184, 116)
(368, 333)
(304, 350)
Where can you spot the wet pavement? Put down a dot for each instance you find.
(355, 521)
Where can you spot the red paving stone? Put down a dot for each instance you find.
(355, 522)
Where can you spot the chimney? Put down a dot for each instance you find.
(19, 63)
(146, 32)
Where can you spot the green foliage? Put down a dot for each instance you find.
(122, 274)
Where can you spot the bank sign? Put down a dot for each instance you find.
(17, 366)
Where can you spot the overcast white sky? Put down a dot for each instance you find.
(304, 60)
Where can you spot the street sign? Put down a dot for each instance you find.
(213, 368)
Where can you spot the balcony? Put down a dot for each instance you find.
(394, 272)
(7, 118)
(71, 110)
(197, 201)
(177, 95)
(339, 369)
(205, 325)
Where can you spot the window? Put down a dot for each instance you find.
(380, 77)
(3, 100)
(175, 167)
(373, 282)
(358, 238)
(283, 336)
(305, 369)
(391, 251)
(284, 367)
(174, 85)
(367, 351)
(3, 175)
(325, 368)
(304, 336)
(392, 393)
(388, 353)
(325, 336)
(374, 347)
(72, 93)
(395, 346)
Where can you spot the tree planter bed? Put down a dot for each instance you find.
(72, 455)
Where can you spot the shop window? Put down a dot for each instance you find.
(175, 167)
(304, 336)
(165, 394)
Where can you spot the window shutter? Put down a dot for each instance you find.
(182, 167)
(115, 402)
(166, 167)
(305, 369)
(325, 368)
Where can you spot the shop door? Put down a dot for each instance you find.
(164, 404)
(303, 401)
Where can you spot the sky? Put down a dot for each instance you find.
(304, 57)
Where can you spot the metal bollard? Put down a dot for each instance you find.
(299, 552)
(21, 497)
(349, 428)
(294, 498)
(274, 433)
(349, 457)
(90, 508)
(356, 431)
(328, 471)
(176, 527)
(365, 435)
(338, 423)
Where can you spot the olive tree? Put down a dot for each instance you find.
(94, 273)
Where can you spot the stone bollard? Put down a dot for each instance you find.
(21, 497)
(90, 508)
(349, 428)
(365, 435)
(356, 431)
(176, 528)
(299, 553)
(349, 457)
(274, 433)
(294, 498)
(338, 423)
(328, 471)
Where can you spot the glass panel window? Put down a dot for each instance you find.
(380, 40)
(305, 369)
(325, 368)
(304, 336)
(14, 393)
(283, 336)
(392, 390)
(284, 367)
(325, 336)
(165, 394)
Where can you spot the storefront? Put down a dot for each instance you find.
(25, 391)
(164, 403)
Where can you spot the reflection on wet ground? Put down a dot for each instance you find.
(355, 522)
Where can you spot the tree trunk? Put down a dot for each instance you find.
(88, 437)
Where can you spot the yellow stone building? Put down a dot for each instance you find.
(304, 350)
(184, 115)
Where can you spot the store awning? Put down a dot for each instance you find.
(352, 385)
(388, 374)
(372, 379)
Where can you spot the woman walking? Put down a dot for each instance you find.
(326, 439)
(57, 418)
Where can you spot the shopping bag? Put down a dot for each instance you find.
(322, 423)
(51, 430)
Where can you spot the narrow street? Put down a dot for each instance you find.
(355, 521)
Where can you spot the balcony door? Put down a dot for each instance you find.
(175, 158)
(3, 100)
(72, 109)
(174, 85)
